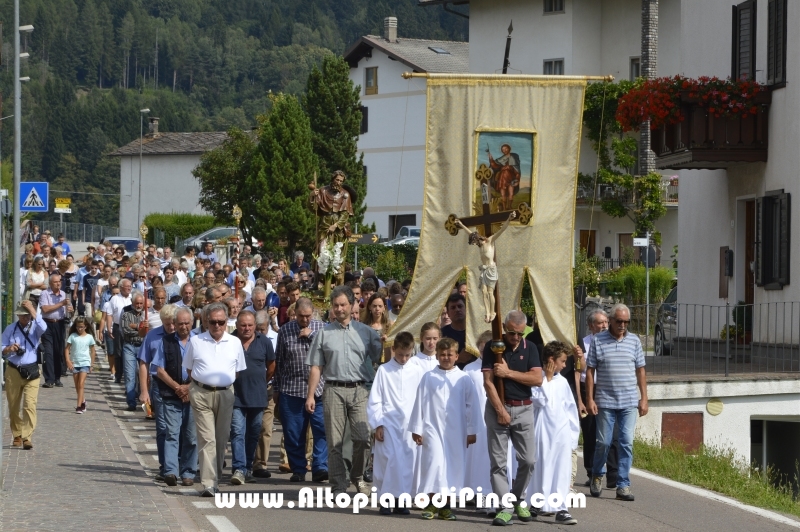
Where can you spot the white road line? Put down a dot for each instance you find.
(150, 446)
(145, 436)
(222, 524)
(187, 490)
(139, 427)
(204, 505)
(700, 492)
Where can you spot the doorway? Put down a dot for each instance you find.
(625, 242)
(749, 250)
(588, 239)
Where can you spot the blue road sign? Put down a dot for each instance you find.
(33, 196)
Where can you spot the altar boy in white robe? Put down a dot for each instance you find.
(556, 429)
(478, 465)
(388, 411)
(443, 425)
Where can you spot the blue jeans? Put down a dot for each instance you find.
(295, 420)
(131, 372)
(180, 439)
(245, 431)
(161, 421)
(625, 421)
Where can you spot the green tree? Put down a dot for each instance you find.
(333, 106)
(278, 182)
(223, 174)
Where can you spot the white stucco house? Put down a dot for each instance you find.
(736, 179)
(167, 184)
(393, 126)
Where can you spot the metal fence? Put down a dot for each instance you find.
(83, 232)
(692, 339)
(603, 192)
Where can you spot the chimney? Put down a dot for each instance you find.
(390, 29)
(153, 129)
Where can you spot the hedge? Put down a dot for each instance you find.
(177, 224)
(369, 255)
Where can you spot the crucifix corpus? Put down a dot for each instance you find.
(486, 246)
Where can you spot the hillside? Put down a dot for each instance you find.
(197, 64)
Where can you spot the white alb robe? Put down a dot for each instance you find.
(390, 403)
(425, 362)
(555, 428)
(444, 415)
(478, 474)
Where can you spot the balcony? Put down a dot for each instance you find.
(584, 196)
(703, 142)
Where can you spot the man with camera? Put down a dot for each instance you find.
(20, 340)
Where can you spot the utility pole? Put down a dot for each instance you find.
(15, 241)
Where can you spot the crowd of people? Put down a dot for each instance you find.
(214, 353)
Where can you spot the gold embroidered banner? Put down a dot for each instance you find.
(525, 132)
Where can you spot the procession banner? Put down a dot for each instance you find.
(523, 133)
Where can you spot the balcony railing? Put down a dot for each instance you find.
(585, 195)
(702, 141)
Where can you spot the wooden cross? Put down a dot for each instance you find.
(486, 219)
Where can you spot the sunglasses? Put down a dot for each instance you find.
(218, 323)
(514, 333)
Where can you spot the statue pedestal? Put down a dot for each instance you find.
(221, 251)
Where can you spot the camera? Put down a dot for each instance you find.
(20, 350)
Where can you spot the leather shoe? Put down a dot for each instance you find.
(284, 468)
(261, 473)
(27, 445)
(297, 478)
(170, 480)
(48, 385)
(59, 385)
(209, 492)
(187, 481)
(17, 442)
(319, 476)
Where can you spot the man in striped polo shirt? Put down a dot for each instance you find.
(616, 366)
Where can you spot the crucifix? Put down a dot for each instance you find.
(488, 277)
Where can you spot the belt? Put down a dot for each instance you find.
(341, 384)
(212, 388)
(524, 402)
(48, 320)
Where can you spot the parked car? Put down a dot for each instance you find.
(131, 244)
(212, 235)
(410, 240)
(666, 324)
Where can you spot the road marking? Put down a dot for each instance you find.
(145, 436)
(221, 523)
(139, 427)
(151, 446)
(203, 505)
(700, 492)
(187, 490)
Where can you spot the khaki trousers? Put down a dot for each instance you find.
(265, 439)
(24, 393)
(212, 418)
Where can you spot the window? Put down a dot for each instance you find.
(364, 119)
(776, 42)
(371, 81)
(743, 46)
(554, 67)
(553, 6)
(636, 68)
(773, 218)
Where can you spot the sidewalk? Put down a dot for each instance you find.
(82, 473)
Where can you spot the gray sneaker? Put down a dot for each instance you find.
(624, 494)
(238, 478)
(249, 478)
(597, 486)
(363, 487)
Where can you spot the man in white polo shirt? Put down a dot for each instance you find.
(113, 310)
(212, 360)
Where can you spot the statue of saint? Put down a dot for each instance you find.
(488, 277)
(333, 205)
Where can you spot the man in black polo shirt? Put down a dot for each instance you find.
(519, 370)
(457, 330)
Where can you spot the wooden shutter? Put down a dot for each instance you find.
(776, 41)
(743, 47)
(759, 242)
(783, 206)
(364, 119)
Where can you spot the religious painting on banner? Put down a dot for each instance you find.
(508, 173)
(508, 156)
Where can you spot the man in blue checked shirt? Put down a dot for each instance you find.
(148, 391)
(616, 367)
(20, 341)
(172, 382)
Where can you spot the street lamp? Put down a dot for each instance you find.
(142, 112)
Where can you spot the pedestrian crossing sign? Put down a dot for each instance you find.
(33, 196)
